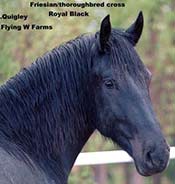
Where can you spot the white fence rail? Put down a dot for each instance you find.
(108, 157)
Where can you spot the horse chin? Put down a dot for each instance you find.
(141, 170)
(144, 170)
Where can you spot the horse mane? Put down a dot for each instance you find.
(53, 90)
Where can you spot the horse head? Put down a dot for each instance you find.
(120, 83)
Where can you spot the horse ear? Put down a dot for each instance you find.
(135, 30)
(105, 32)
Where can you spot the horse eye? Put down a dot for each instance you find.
(109, 84)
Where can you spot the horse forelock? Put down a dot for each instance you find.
(123, 56)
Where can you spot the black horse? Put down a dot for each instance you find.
(49, 110)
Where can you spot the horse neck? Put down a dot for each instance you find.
(77, 116)
(53, 122)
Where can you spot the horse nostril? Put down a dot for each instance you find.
(150, 153)
(149, 158)
(156, 158)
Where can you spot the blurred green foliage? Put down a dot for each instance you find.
(156, 48)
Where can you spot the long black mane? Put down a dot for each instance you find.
(39, 106)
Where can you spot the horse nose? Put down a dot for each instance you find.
(157, 156)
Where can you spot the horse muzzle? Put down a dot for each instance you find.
(151, 159)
